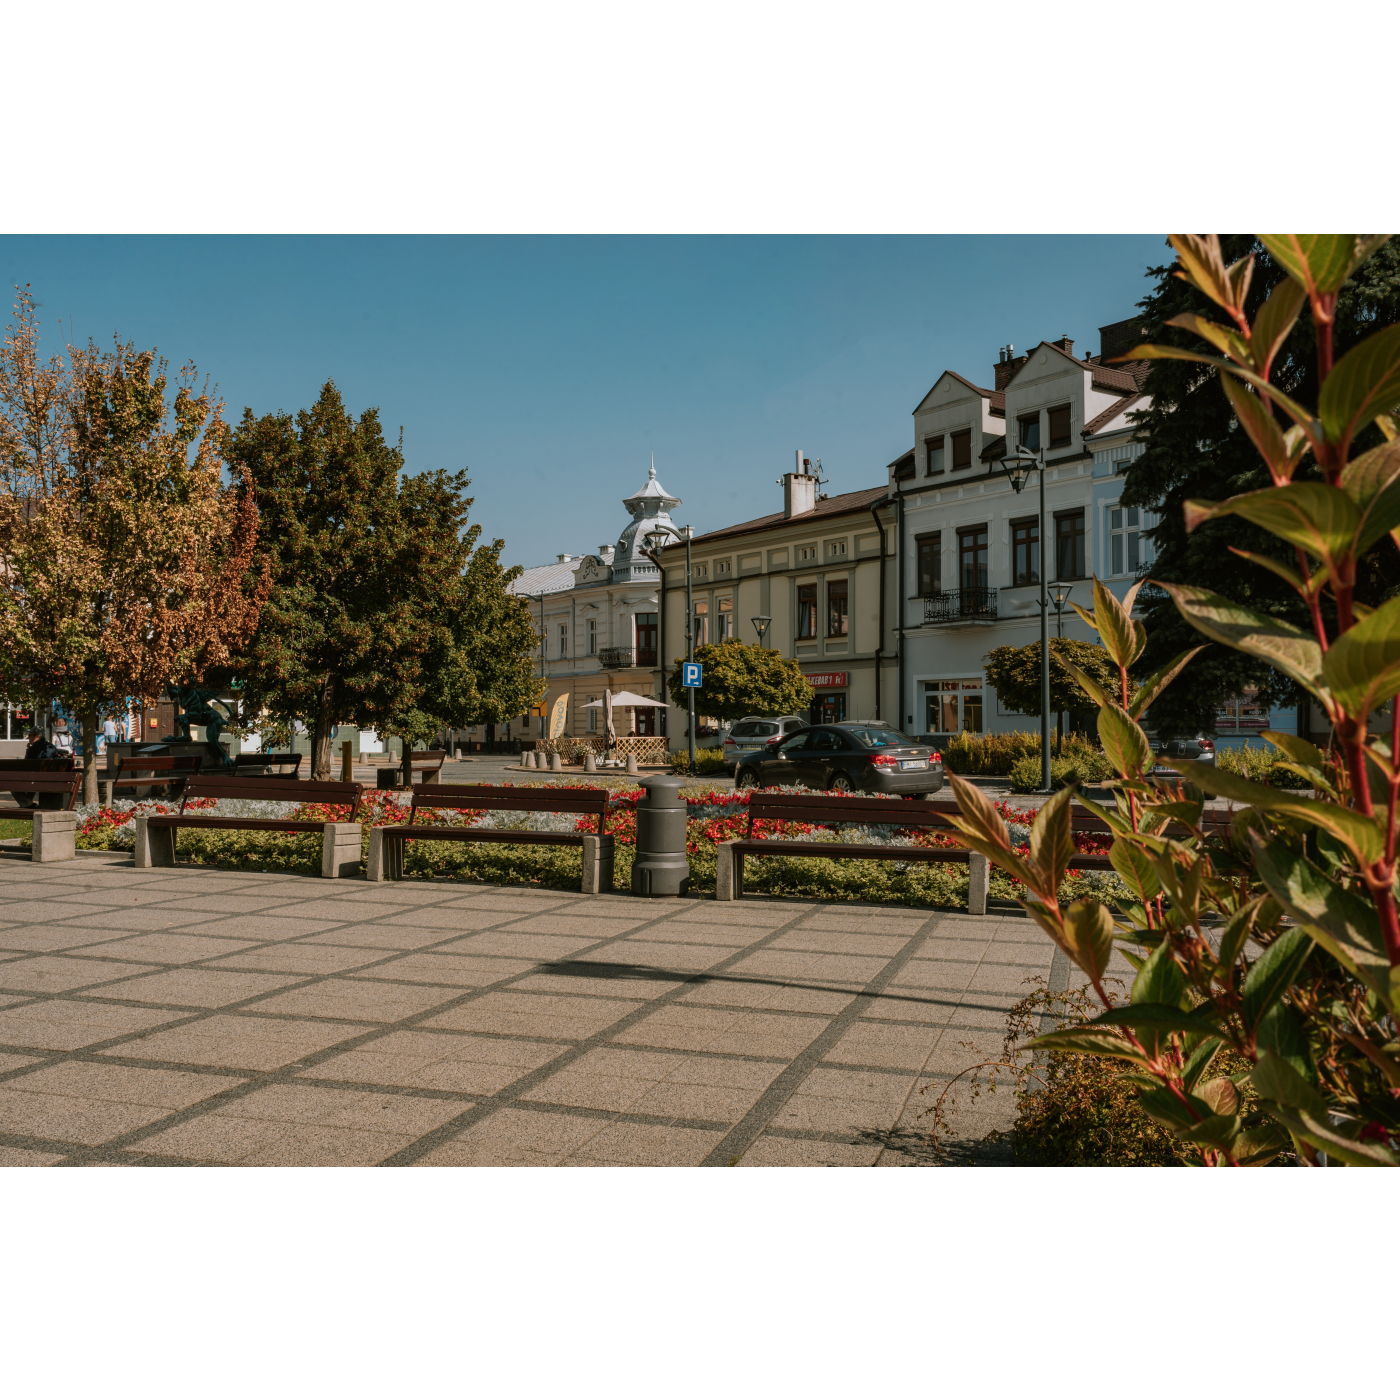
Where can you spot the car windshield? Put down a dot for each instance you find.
(754, 729)
(882, 738)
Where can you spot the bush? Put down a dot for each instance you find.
(995, 755)
(1261, 764)
(1082, 768)
(706, 761)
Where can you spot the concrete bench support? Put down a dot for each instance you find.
(155, 845)
(725, 870)
(979, 874)
(597, 864)
(340, 850)
(385, 860)
(53, 836)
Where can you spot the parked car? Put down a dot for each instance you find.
(1199, 748)
(848, 757)
(755, 732)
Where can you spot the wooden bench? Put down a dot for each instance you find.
(256, 765)
(340, 841)
(821, 810)
(386, 843)
(54, 828)
(166, 774)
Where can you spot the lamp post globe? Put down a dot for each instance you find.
(761, 626)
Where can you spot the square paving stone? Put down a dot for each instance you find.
(170, 948)
(309, 959)
(682, 957)
(392, 938)
(249, 1142)
(239, 1042)
(513, 1137)
(358, 1000)
(148, 918)
(90, 1104)
(885, 1047)
(460, 1064)
(449, 969)
(50, 974)
(447, 919)
(795, 1152)
(71, 1025)
(732, 988)
(534, 1015)
(198, 986)
(645, 1145)
(510, 943)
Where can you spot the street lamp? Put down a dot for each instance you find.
(1018, 470)
(1060, 598)
(656, 538)
(761, 626)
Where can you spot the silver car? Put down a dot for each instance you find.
(755, 733)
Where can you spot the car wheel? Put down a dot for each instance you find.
(746, 780)
(840, 782)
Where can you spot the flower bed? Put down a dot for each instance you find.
(713, 816)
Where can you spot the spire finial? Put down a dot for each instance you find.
(651, 475)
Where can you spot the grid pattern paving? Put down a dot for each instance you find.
(197, 1017)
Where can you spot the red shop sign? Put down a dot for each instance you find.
(822, 679)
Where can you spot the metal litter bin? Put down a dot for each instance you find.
(662, 866)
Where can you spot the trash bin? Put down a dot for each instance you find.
(662, 866)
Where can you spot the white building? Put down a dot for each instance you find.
(599, 616)
(970, 552)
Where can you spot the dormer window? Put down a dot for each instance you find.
(1061, 433)
(962, 449)
(933, 451)
(1028, 432)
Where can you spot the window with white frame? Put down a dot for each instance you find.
(1128, 551)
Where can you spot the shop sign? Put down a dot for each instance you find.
(824, 679)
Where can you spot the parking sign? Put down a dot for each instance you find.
(690, 675)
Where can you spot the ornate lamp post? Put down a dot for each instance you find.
(1018, 470)
(761, 626)
(655, 540)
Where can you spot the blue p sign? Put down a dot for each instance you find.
(690, 675)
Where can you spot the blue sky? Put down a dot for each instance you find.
(551, 367)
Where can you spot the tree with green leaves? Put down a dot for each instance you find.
(1014, 673)
(743, 680)
(130, 564)
(1271, 933)
(366, 568)
(481, 670)
(1195, 446)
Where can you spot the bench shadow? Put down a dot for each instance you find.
(642, 972)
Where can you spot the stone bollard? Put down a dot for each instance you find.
(590, 763)
(729, 873)
(54, 836)
(340, 850)
(155, 846)
(979, 873)
(662, 866)
(598, 856)
(527, 759)
(556, 764)
(631, 763)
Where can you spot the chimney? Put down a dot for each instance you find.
(799, 488)
(1064, 343)
(1008, 362)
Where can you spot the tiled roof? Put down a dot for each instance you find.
(995, 448)
(545, 578)
(846, 504)
(1103, 419)
(1119, 379)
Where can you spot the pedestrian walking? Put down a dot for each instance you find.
(109, 734)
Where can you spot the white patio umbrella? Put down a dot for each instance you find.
(627, 700)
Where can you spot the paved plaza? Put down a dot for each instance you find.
(198, 1017)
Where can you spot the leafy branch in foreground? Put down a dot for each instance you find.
(1276, 939)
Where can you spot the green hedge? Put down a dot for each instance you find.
(995, 755)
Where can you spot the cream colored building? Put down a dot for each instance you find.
(815, 569)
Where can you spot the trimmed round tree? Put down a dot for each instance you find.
(1014, 673)
(743, 680)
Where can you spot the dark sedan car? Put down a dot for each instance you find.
(848, 757)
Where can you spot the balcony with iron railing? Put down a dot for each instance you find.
(961, 607)
(626, 658)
